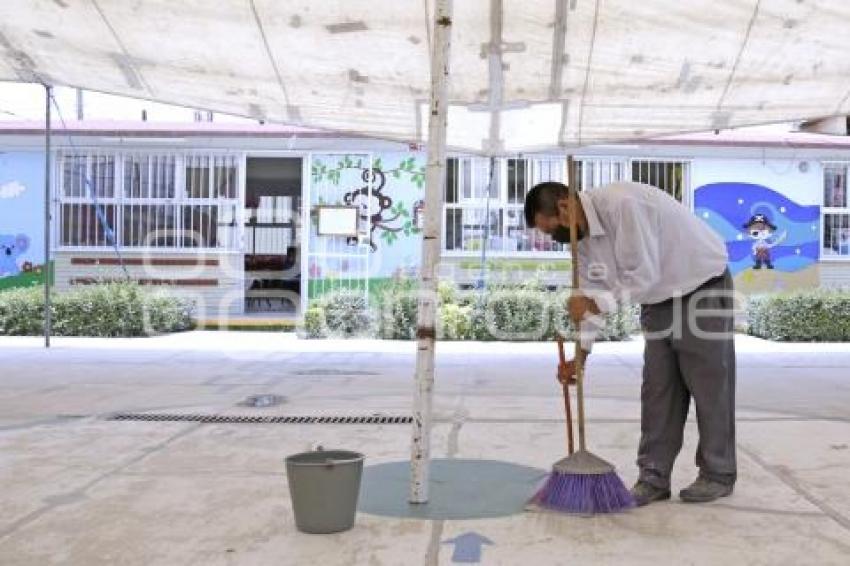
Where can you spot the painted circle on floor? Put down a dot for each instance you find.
(459, 489)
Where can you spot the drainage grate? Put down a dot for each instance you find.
(326, 372)
(264, 400)
(261, 419)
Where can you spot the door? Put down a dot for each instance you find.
(338, 220)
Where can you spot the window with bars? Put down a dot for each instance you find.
(156, 201)
(472, 220)
(835, 213)
(671, 176)
(598, 171)
(88, 204)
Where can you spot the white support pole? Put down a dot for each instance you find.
(426, 331)
(48, 164)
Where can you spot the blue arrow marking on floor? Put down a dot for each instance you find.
(468, 547)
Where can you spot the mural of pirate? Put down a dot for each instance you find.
(761, 230)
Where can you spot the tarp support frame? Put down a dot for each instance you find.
(426, 333)
(48, 164)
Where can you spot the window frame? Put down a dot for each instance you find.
(181, 202)
(824, 210)
(84, 200)
(533, 174)
(687, 167)
(498, 204)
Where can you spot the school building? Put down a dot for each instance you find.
(259, 218)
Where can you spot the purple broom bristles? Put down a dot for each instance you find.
(585, 494)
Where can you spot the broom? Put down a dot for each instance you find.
(568, 409)
(582, 482)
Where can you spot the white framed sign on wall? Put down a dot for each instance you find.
(338, 220)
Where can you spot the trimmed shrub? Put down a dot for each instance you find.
(315, 325)
(502, 312)
(167, 314)
(447, 292)
(619, 324)
(109, 310)
(396, 310)
(347, 314)
(397, 307)
(803, 316)
(455, 322)
(22, 312)
(518, 314)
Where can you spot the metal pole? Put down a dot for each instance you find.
(48, 94)
(486, 236)
(80, 105)
(426, 331)
(571, 178)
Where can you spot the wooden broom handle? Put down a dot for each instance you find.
(573, 199)
(568, 409)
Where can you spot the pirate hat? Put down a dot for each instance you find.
(759, 219)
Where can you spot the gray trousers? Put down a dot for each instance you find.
(684, 361)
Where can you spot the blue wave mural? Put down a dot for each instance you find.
(728, 207)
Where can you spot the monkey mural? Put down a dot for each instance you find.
(377, 211)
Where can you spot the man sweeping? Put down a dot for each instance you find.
(637, 244)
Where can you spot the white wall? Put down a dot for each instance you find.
(225, 297)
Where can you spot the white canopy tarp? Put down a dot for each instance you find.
(525, 74)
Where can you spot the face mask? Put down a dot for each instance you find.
(561, 234)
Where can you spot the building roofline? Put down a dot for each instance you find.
(740, 138)
(137, 129)
(134, 129)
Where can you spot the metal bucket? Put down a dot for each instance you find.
(324, 486)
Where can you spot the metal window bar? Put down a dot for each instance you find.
(670, 175)
(466, 219)
(136, 194)
(835, 212)
(85, 199)
(334, 261)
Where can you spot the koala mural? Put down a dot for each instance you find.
(11, 248)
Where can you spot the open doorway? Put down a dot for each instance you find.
(272, 242)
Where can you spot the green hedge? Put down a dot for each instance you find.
(339, 313)
(803, 316)
(114, 309)
(507, 312)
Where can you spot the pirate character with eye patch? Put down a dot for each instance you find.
(761, 230)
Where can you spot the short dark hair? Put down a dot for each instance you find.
(543, 198)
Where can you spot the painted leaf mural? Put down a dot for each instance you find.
(388, 216)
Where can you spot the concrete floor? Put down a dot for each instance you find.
(79, 489)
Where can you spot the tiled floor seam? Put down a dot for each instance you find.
(432, 554)
(782, 474)
(74, 495)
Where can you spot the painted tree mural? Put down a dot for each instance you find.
(389, 217)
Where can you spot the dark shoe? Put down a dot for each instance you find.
(645, 493)
(704, 490)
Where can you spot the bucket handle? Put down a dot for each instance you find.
(330, 462)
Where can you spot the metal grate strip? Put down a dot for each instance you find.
(261, 419)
